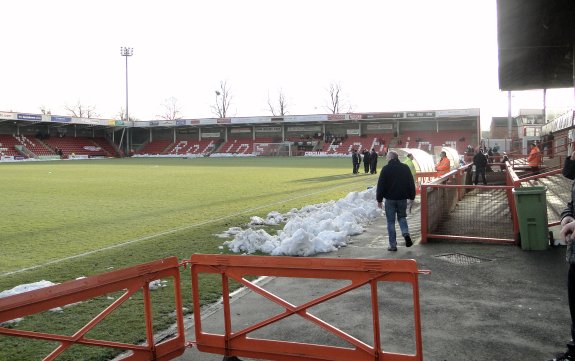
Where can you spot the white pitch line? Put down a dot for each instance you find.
(170, 231)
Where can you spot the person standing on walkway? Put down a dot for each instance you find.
(373, 161)
(480, 162)
(443, 166)
(396, 186)
(409, 162)
(355, 159)
(366, 160)
(567, 233)
(534, 158)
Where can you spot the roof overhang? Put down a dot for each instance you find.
(535, 40)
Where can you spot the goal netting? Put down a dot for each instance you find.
(273, 149)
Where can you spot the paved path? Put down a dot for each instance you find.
(511, 305)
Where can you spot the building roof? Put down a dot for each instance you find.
(536, 40)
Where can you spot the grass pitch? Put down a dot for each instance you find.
(62, 220)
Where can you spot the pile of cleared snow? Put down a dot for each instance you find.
(26, 288)
(318, 228)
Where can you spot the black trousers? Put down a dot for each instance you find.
(571, 295)
(480, 171)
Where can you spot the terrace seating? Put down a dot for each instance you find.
(80, 146)
(182, 147)
(238, 146)
(428, 140)
(155, 147)
(369, 142)
(7, 145)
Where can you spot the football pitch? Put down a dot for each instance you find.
(66, 219)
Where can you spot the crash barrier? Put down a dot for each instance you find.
(128, 281)
(453, 209)
(243, 341)
(358, 272)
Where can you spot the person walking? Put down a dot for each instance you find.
(396, 186)
(480, 162)
(373, 161)
(567, 234)
(355, 159)
(443, 166)
(366, 160)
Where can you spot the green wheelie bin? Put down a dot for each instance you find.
(531, 205)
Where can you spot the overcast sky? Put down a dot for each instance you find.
(386, 56)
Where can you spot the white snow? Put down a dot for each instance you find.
(313, 229)
(26, 288)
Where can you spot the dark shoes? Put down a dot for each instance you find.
(392, 249)
(408, 242)
(567, 356)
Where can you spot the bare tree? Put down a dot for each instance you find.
(45, 110)
(172, 110)
(281, 109)
(121, 115)
(82, 111)
(223, 100)
(334, 91)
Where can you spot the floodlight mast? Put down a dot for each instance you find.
(126, 52)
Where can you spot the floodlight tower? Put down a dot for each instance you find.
(126, 52)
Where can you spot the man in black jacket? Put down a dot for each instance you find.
(366, 160)
(373, 161)
(396, 185)
(355, 160)
(480, 162)
(567, 229)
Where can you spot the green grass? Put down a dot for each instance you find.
(62, 220)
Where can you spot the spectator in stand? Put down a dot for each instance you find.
(373, 161)
(480, 162)
(355, 160)
(443, 166)
(396, 186)
(534, 158)
(366, 160)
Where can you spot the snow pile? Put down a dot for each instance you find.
(26, 288)
(318, 228)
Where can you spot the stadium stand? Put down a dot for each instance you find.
(238, 146)
(155, 147)
(191, 147)
(8, 145)
(81, 146)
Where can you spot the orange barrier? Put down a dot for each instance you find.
(130, 281)
(361, 272)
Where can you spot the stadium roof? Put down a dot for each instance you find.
(536, 40)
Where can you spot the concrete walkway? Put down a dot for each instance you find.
(481, 302)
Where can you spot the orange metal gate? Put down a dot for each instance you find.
(129, 280)
(359, 272)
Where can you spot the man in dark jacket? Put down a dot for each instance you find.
(567, 229)
(396, 185)
(355, 160)
(373, 161)
(480, 162)
(366, 160)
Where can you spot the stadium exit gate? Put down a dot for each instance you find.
(359, 272)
